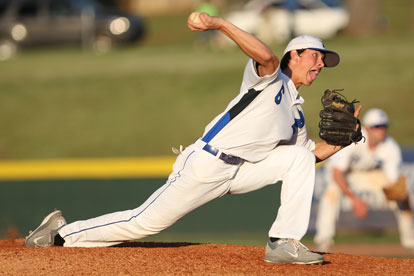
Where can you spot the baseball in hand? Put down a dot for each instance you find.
(195, 18)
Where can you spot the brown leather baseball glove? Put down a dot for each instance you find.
(338, 126)
(398, 191)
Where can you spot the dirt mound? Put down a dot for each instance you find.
(156, 258)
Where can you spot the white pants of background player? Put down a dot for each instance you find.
(199, 177)
(366, 183)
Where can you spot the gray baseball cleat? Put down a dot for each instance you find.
(44, 235)
(290, 251)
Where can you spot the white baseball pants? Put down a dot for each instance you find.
(199, 177)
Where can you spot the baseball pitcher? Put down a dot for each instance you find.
(259, 139)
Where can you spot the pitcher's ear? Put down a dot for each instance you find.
(294, 55)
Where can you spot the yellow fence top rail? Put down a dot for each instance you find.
(142, 167)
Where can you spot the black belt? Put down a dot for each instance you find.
(229, 159)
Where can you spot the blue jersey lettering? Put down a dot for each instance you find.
(299, 123)
(278, 97)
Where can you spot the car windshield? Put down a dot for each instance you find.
(82, 4)
(303, 4)
(3, 6)
(333, 3)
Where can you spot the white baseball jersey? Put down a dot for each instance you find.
(264, 124)
(386, 157)
(266, 112)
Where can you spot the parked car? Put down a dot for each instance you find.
(273, 21)
(28, 23)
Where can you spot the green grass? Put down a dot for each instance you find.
(139, 101)
(130, 102)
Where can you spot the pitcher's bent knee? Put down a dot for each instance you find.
(302, 153)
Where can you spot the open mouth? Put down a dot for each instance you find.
(313, 74)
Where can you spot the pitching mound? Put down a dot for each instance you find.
(154, 258)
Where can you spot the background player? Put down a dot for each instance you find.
(361, 168)
(258, 140)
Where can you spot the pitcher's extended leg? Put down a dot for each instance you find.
(183, 192)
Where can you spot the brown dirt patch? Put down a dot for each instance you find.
(155, 258)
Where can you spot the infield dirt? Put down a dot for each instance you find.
(156, 258)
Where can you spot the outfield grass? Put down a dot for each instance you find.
(139, 101)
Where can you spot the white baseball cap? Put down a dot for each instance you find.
(375, 117)
(310, 42)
